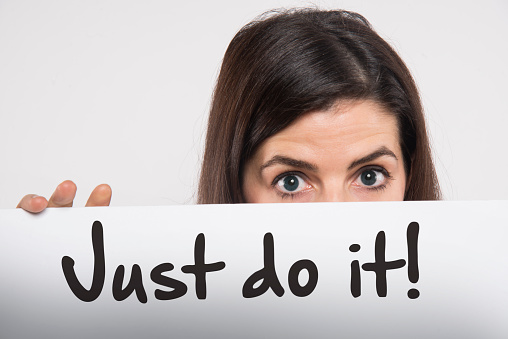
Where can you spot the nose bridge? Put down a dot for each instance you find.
(334, 196)
(334, 191)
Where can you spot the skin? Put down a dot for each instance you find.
(323, 154)
(64, 196)
(326, 151)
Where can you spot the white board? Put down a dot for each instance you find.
(460, 255)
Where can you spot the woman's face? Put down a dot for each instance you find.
(350, 152)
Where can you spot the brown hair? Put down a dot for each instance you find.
(290, 63)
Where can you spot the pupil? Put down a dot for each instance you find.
(368, 178)
(291, 183)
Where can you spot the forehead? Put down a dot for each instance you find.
(344, 131)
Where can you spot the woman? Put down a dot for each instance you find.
(309, 105)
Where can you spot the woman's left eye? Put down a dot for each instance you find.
(291, 184)
(372, 178)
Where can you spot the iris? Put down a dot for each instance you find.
(368, 178)
(291, 183)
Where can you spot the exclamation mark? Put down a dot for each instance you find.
(412, 257)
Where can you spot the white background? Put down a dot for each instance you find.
(117, 91)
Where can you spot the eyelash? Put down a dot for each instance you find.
(379, 188)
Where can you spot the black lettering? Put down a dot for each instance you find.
(199, 269)
(135, 284)
(99, 270)
(294, 272)
(380, 266)
(267, 274)
(356, 282)
(412, 258)
(179, 288)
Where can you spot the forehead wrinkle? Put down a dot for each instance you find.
(346, 134)
(314, 129)
(348, 147)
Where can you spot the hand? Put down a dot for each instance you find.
(64, 196)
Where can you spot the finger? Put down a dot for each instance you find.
(100, 196)
(64, 195)
(33, 203)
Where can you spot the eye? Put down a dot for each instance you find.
(290, 183)
(372, 178)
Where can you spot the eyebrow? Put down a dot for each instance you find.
(382, 151)
(282, 160)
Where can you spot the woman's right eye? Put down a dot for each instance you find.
(291, 184)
